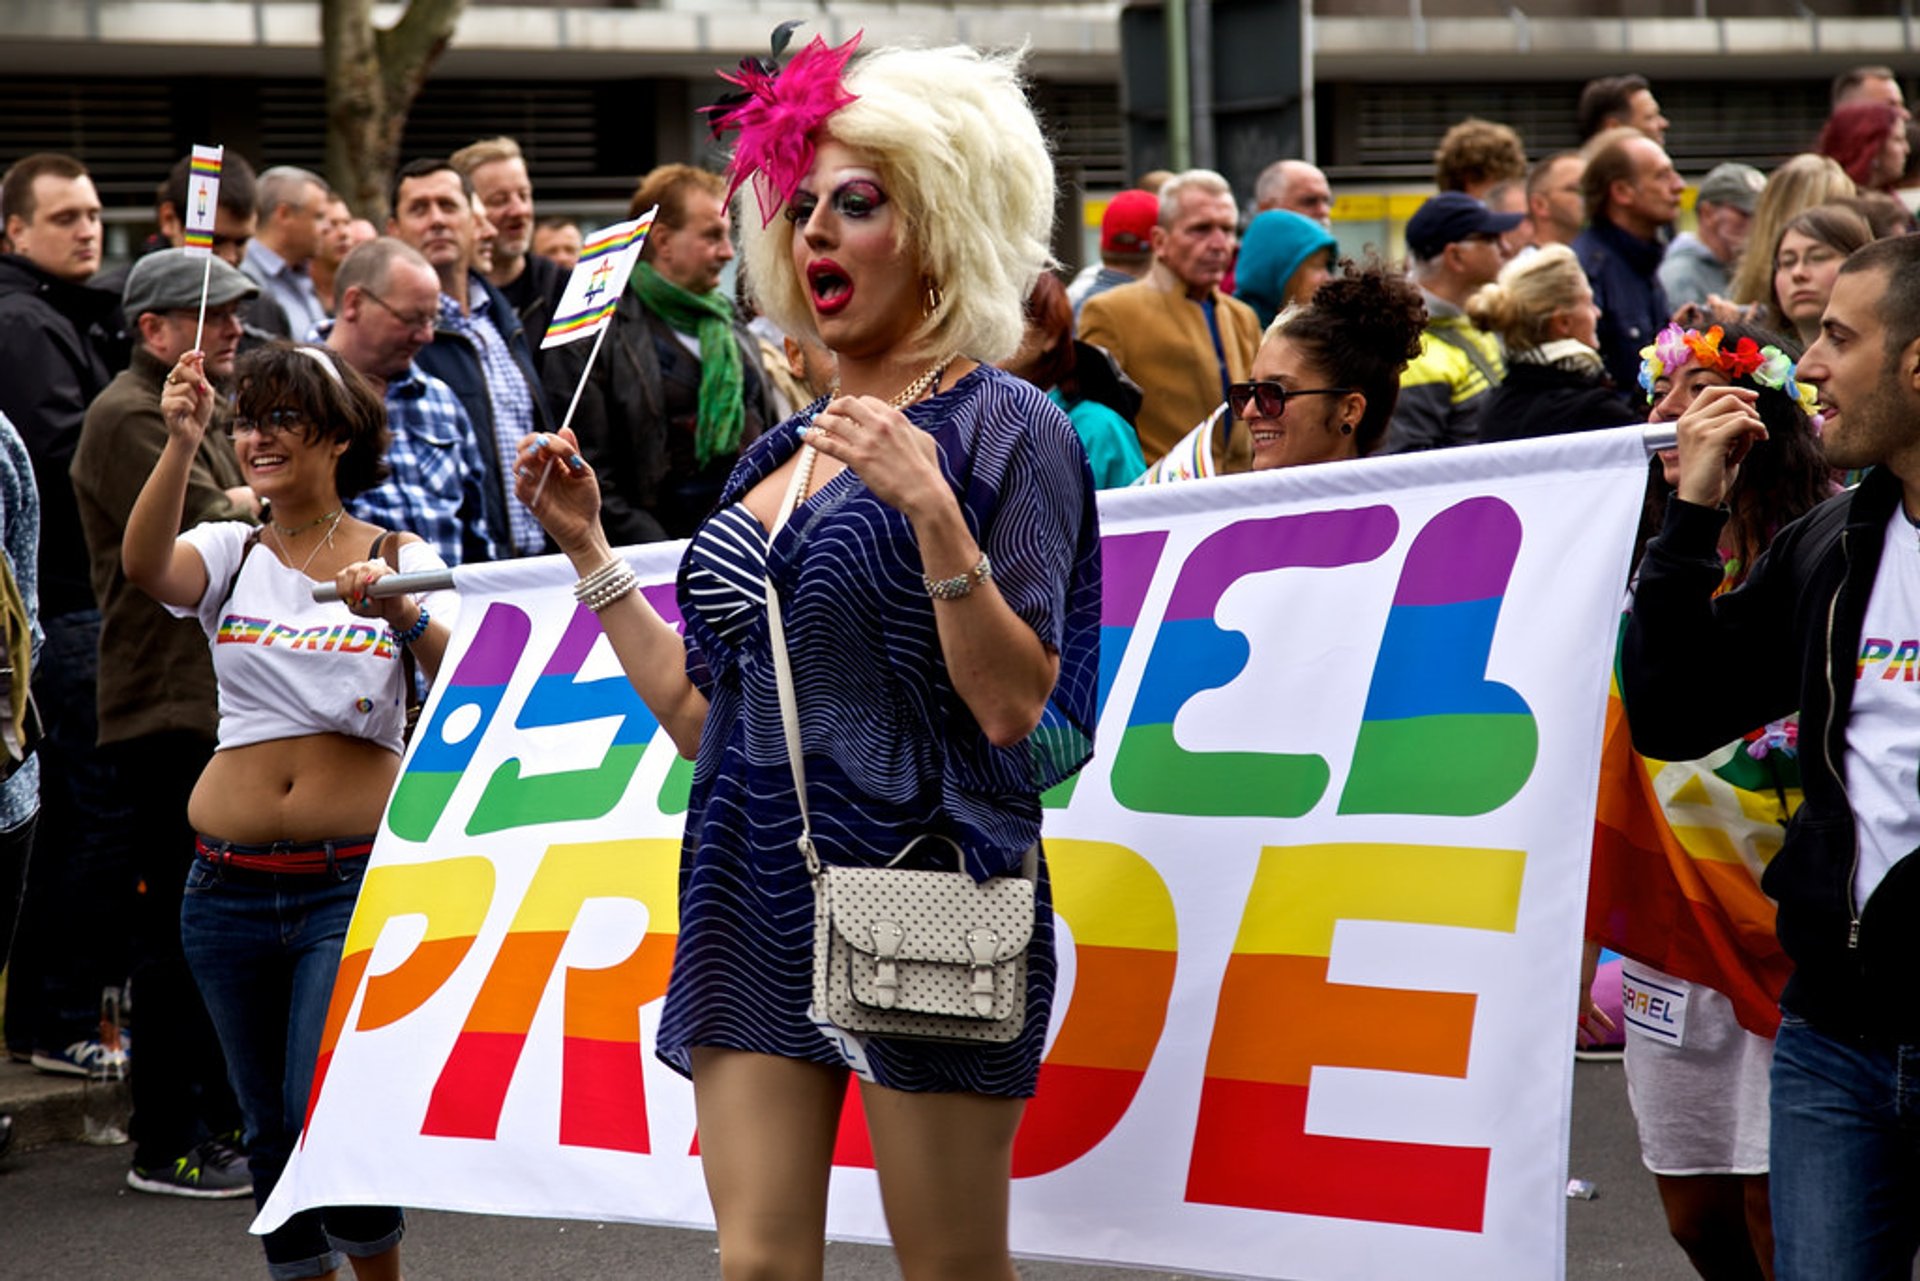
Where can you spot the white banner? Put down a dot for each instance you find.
(1320, 893)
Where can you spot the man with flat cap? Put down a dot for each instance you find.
(158, 714)
(1454, 246)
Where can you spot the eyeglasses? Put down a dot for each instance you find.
(1268, 399)
(277, 420)
(430, 321)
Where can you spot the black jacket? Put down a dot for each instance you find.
(1549, 400)
(534, 294)
(1698, 672)
(649, 490)
(454, 360)
(1621, 268)
(57, 347)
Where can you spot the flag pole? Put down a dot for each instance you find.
(572, 405)
(206, 275)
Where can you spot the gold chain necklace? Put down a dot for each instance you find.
(326, 541)
(298, 530)
(914, 390)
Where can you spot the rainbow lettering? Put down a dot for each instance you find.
(1437, 736)
(1153, 773)
(1127, 562)
(1279, 1018)
(468, 703)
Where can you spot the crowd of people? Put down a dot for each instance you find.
(351, 400)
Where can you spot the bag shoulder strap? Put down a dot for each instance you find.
(246, 550)
(1464, 345)
(783, 669)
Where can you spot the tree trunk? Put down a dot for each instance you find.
(373, 77)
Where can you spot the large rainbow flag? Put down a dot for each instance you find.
(1678, 848)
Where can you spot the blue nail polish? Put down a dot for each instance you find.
(574, 461)
(803, 429)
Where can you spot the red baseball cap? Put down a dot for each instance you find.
(1128, 223)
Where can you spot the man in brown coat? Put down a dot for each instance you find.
(1173, 331)
(158, 714)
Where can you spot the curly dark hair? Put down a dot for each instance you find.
(1361, 328)
(294, 377)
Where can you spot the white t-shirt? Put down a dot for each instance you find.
(1883, 749)
(290, 666)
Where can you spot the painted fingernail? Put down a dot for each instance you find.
(574, 461)
(524, 473)
(804, 430)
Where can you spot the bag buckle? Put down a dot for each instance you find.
(887, 940)
(983, 944)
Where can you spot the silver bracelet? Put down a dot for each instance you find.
(960, 585)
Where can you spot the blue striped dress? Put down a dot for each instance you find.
(891, 751)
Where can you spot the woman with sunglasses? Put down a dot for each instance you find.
(313, 700)
(1323, 383)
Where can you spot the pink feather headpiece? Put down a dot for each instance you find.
(777, 110)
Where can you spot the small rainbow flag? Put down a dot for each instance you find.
(203, 197)
(598, 280)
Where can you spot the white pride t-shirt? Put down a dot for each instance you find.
(1883, 733)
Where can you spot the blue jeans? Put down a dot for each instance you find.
(1845, 1158)
(263, 948)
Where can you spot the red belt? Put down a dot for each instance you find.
(296, 857)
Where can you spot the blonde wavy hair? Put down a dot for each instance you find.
(964, 163)
(1519, 305)
(1796, 186)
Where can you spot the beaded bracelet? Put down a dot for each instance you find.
(418, 629)
(610, 590)
(960, 585)
(599, 578)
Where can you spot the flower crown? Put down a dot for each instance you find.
(1676, 348)
(774, 113)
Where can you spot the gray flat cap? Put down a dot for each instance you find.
(169, 279)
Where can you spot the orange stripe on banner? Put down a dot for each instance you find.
(1279, 1018)
(391, 997)
(1118, 1008)
(346, 981)
(516, 981)
(604, 1004)
(1251, 1149)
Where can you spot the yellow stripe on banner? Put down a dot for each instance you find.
(1301, 890)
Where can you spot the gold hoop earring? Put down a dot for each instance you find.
(930, 295)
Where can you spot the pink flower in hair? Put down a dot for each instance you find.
(775, 115)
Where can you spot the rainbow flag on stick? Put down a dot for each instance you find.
(203, 197)
(599, 278)
(1678, 847)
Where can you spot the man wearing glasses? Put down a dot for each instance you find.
(158, 714)
(1454, 247)
(387, 300)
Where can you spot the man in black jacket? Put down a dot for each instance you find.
(479, 347)
(56, 340)
(679, 390)
(1828, 622)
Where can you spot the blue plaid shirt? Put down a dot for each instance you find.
(437, 486)
(512, 404)
(20, 543)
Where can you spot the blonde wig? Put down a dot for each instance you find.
(1530, 291)
(963, 161)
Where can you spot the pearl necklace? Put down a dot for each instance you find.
(335, 516)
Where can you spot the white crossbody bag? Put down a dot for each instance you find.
(901, 952)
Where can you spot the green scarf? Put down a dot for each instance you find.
(709, 317)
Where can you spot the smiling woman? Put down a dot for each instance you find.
(928, 533)
(309, 735)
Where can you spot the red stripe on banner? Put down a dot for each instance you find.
(603, 1103)
(466, 1099)
(1251, 1149)
(1073, 1109)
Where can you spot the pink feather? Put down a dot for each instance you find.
(776, 122)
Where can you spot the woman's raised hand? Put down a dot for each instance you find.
(186, 400)
(559, 487)
(1713, 437)
(895, 459)
(355, 585)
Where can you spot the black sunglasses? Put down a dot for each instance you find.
(276, 420)
(1270, 398)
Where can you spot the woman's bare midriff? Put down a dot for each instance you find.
(310, 788)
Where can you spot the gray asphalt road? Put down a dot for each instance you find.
(64, 1213)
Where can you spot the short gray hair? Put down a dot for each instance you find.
(1189, 180)
(285, 185)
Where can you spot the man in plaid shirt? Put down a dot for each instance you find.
(387, 298)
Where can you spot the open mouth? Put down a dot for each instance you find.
(266, 461)
(830, 286)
